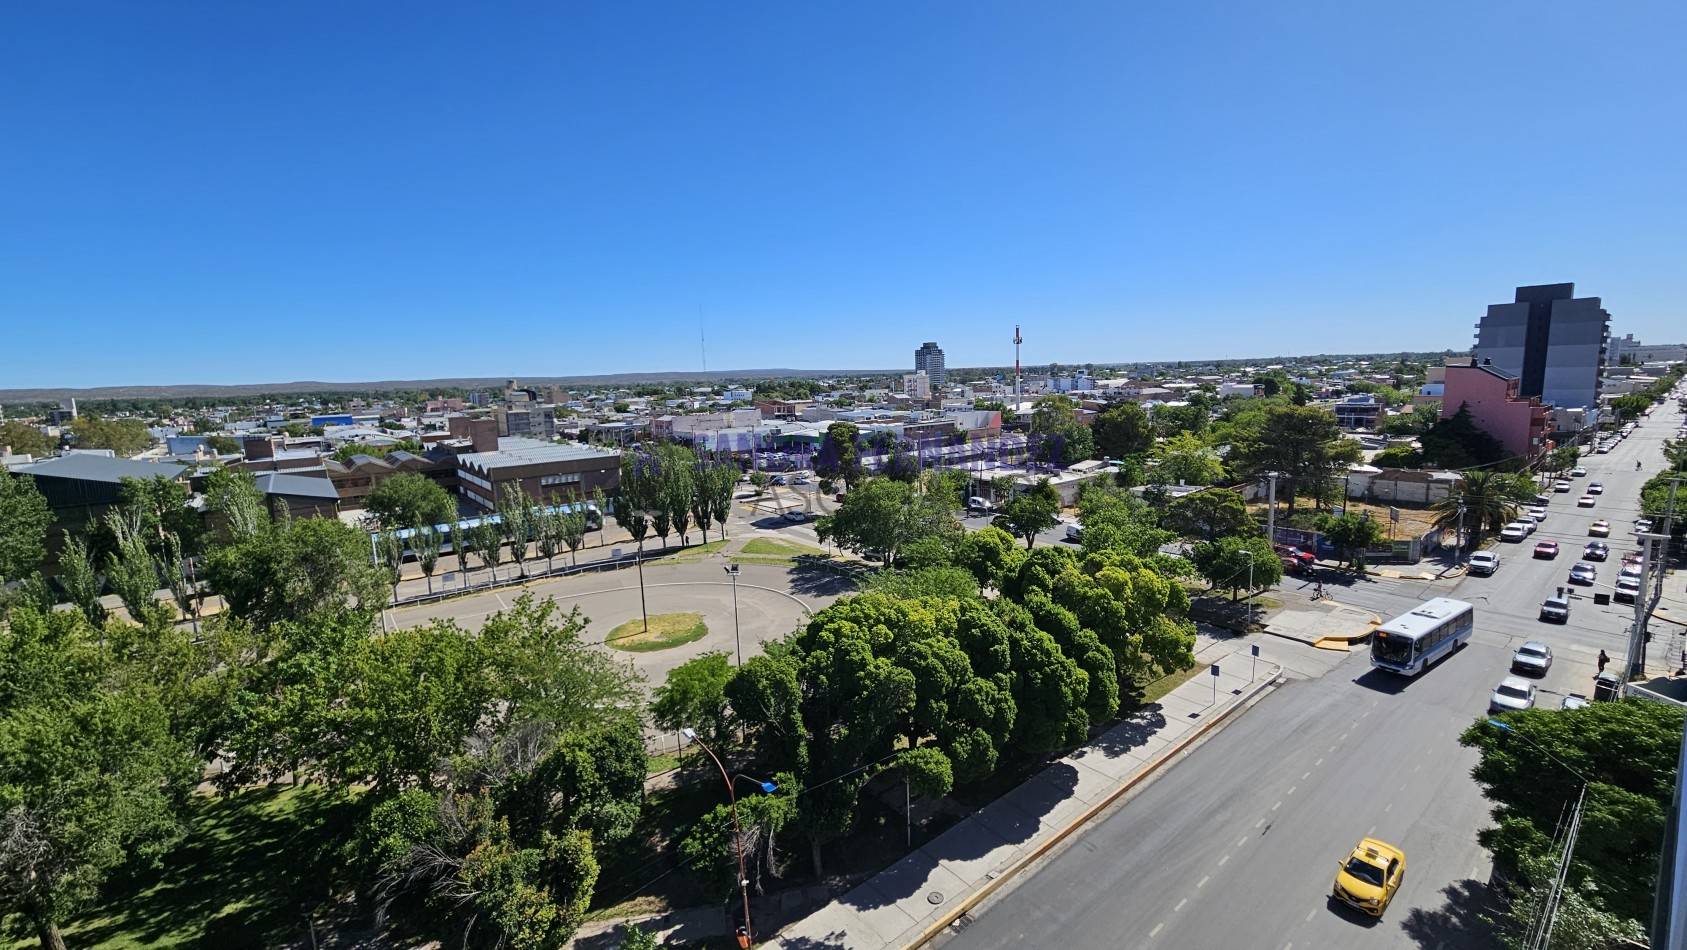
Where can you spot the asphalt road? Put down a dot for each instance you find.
(1237, 844)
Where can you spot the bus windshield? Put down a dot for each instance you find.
(1395, 649)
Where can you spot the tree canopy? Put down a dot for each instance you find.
(408, 500)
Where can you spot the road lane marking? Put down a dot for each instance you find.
(1157, 928)
(1223, 861)
(1318, 763)
(1259, 822)
(1276, 806)
(1311, 912)
(1180, 904)
(1371, 832)
(1374, 702)
(1292, 789)
(1343, 737)
(1332, 748)
(1416, 767)
(1242, 841)
(1388, 808)
(1304, 776)
(1204, 881)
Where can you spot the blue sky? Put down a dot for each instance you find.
(228, 192)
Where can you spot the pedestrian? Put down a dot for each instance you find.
(1318, 590)
(1603, 659)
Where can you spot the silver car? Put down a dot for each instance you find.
(1533, 658)
(1512, 693)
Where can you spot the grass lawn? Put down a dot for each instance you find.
(1154, 691)
(788, 548)
(666, 630)
(240, 877)
(693, 553)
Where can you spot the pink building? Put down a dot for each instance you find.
(1523, 426)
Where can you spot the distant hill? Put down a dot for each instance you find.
(385, 385)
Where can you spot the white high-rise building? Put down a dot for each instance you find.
(928, 359)
(917, 385)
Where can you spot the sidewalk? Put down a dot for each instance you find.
(919, 896)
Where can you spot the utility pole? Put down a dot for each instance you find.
(1271, 511)
(1458, 555)
(1669, 529)
(1636, 665)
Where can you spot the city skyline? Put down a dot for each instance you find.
(576, 191)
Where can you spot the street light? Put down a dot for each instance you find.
(737, 835)
(644, 608)
(732, 572)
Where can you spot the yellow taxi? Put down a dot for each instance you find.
(1370, 876)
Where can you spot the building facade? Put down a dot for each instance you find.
(546, 471)
(928, 359)
(1523, 425)
(916, 385)
(1551, 340)
(1626, 349)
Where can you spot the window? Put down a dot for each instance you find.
(567, 478)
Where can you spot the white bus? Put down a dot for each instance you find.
(1409, 643)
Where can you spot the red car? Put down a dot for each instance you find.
(1547, 549)
(1294, 558)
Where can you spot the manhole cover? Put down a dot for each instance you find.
(935, 897)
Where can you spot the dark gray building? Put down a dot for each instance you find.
(1551, 340)
(929, 359)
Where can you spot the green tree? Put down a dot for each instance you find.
(80, 581)
(233, 498)
(1030, 512)
(1192, 419)
(486, 540)
(130, 569)
(880, 516)
(695, 697)
(408, 499)
(160, 506)
(1184, 459)
(1304, 443)
(1456, 442)
(25, 439)
(1209, 515)
(92, 776)
(517, 518)
(1122, 431)
(427, 543)
(839, 457)
(24, 519)
(293, 570)
(124, 437)
(1489, 500)
(1627, 795)
(1117, 520)
(1053, 415)
(1234, 563)
(1353, 535)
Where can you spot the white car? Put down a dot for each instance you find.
(1586, 501)
(796, 514)
(1561, 486)
(1628, 589)
(1533, 657)
(1539, 514)
(1578, 472)
(1512, 693)
(1484, 563)
(1514, 532)
(1074, 532)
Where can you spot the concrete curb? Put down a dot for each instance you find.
(1089, 814)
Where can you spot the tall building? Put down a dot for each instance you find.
(928, 359)
(917, 384)
(1551, 340)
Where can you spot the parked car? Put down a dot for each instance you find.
(1583, 573)
(800, 480)
(1578, 472)
(1628, 589)
(1556, 608)
(1483, 563)
(1599, 529)
(981, 505)
(1546, 549)
(796, 514)
(1538, 513)
(1574, 701)
(1561, 486)
(1596, 551)
(1596, 488)
(1533, 658)
(1074, 532)
(1370, 877)
(1513, 532)
(1512, 693)
(1540, 500)
(1642, 526)
(778, 479)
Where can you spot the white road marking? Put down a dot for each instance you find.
(1416, 767)
(1388, 808)
(1371, 832)
(1292, 789)
(1318, 763)
(1180, 904)
(1157, 928)
(1311, 912)
(1304, 776)
(1224, 860)
(1276, 806)
(1204, 881)
(1332, 748)
(1343, 737)
(1259, 822)
(1242, 841)
(1374, 702)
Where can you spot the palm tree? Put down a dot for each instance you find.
(1488, 499)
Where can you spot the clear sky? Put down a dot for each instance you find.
(248, 192)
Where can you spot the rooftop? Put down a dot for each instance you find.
(304, 486)
(99, 468)
(518, 451)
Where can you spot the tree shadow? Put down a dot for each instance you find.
(1132, 732)
(1464, 920)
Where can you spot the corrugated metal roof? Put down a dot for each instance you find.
(100, 468)
(298, 486)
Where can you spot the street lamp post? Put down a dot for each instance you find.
(643, 606)
(1460, 553)
(732, 572)
(737, 834)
